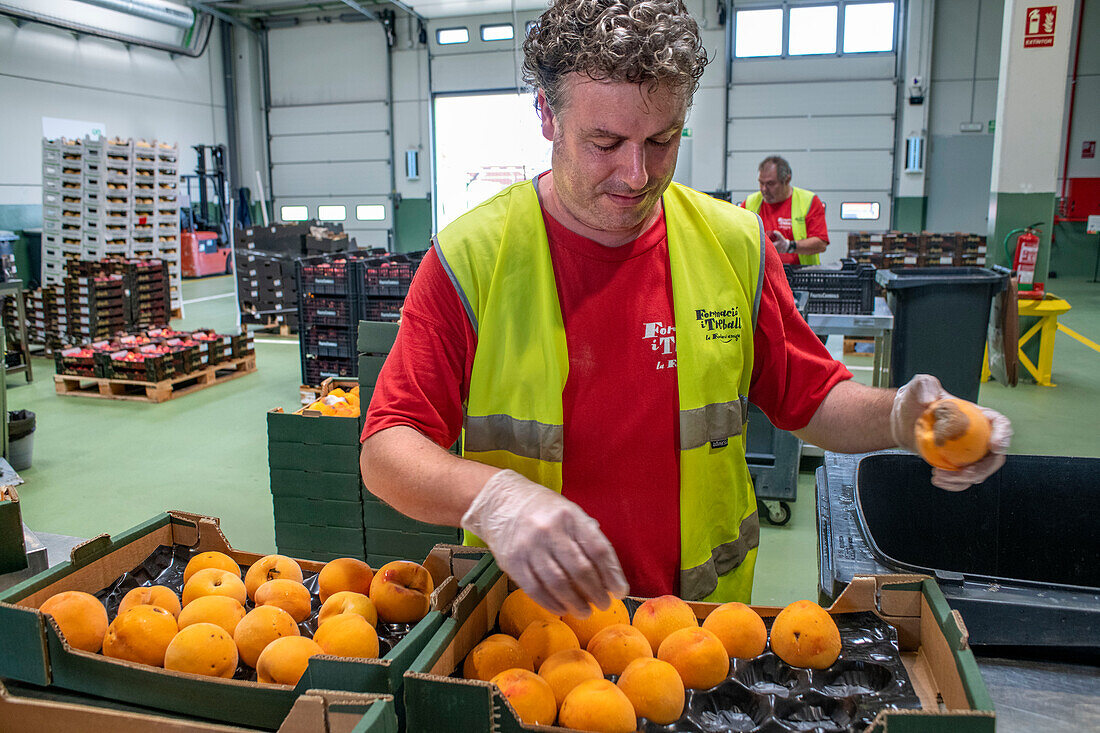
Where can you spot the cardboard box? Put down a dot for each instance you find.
(13, 552)
(931, 637)
(35, 652)
(315, 710)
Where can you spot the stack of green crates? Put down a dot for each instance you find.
(389, 535)
(315, 485)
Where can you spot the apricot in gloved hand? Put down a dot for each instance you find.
(952, 434)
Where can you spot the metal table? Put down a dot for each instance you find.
(1028, 694)
(878, 325)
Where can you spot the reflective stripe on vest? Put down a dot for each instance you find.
(498, 258)
(800, 208)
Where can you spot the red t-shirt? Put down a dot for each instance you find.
(777, 217)
(620, 399)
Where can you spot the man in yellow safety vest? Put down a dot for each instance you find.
(793, 217)
(595, 336)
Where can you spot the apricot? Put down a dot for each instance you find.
(655, 689)
(658, 617)
(805, 635)
(344, 573)
(567, 669)
(698, 655)
(598, 705)
(586, 628)
(212, 559)
(289, 595)
(493, 655)
(518, 611)
(81, 618)
(401, 592)
(151, 595)
(952, 434)
(740, 629)
(260, 627)
(545, 637)
(270, 567)
(529, 694)
(618, 645)
(221, 611)
(141, 635)
(214, 582)
(202, 648)
(348, 635)
(284, 661)
(347, 601)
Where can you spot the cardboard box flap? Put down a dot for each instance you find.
(317, 710)
(90, 550)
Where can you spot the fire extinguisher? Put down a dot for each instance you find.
(1023, 262)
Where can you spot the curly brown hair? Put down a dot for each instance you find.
(634, 41)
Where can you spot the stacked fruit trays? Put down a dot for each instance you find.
(96, 305)
(328, 314)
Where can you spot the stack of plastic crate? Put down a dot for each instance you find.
(167, 219)
(117, 197)
(62, 203)
(143, 238)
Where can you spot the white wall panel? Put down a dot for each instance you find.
(816, 98)
(330, 179)
(46, 72)
(349, 117)
(473, 72)
(821, 171)
(816, 68)
(331, 148)
(813, 133)
(323, 64)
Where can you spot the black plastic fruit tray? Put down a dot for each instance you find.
(385, 277)
(330, 342)
(327, 278)
(849, 290)
(327, 311)
(165, 567)
(380, 310)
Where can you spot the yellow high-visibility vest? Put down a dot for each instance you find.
(800, 207)
(498, 258)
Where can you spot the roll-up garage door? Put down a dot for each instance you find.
(831, 118)
(330, 126)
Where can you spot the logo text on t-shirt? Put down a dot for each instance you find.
(662, 339)
(723, 324)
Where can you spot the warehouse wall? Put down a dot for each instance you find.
(134, 92)
(966, 52)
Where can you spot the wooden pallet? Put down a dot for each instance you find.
(276, 329)
(169, 389)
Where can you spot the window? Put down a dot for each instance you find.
(501, 32)
(370, 212)
(333, 212)
(812, 30)
(759, 33)
(869, 27)
(859, 210)
(802, 29)
(293, 213)
(447, 36)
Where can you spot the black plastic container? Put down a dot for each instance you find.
(940, 319)
(1018, 555)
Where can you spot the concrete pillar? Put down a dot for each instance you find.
(911, 199)
(1035, 49)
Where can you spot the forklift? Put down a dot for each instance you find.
(205, 240)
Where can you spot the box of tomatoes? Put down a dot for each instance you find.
(888, 654)
(169, 616)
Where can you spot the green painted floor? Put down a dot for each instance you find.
(104, 466)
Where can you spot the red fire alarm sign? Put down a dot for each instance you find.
(1039, 28)
(1088, 149)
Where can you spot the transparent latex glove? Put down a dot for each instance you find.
(547, 544)
(782, 244)
(911, 401)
